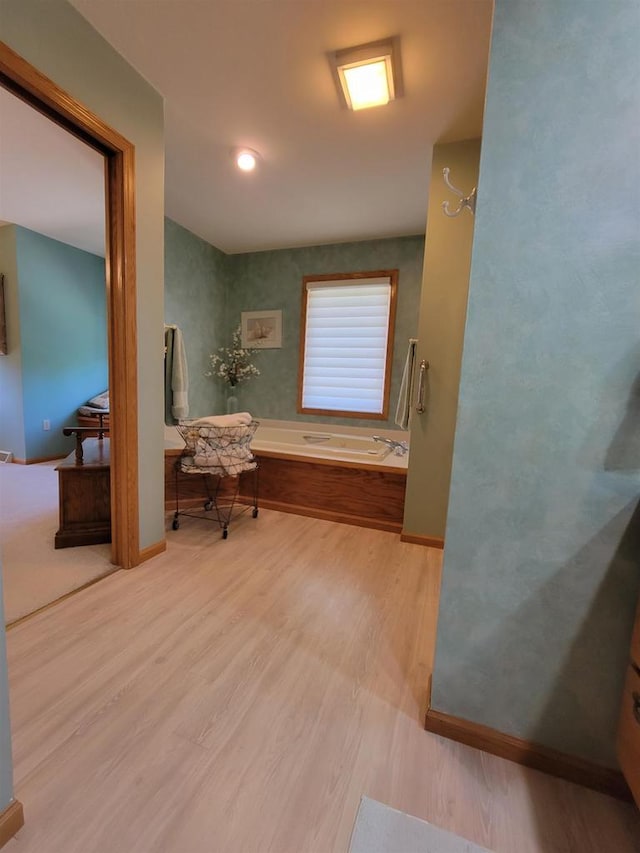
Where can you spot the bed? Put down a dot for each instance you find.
(95, 413)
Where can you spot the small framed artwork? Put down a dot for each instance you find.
(261, 329)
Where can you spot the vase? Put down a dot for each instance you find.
(232, 404)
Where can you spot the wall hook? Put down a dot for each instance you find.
(465, 201)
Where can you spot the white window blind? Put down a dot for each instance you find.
(345, 353)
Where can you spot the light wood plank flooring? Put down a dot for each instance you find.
(241, 696)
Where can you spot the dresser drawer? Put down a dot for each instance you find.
(629, 733)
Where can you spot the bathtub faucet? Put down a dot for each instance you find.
(398, 447)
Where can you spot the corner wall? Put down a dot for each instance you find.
(6, 765)
(11, 409)
(542, 555)
(60, 43)
(196, 285)
(443, 308)
(273, 280)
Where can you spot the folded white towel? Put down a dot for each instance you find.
(238, 419)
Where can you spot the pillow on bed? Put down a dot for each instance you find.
(100, 401)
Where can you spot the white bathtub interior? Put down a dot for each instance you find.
(297, 438)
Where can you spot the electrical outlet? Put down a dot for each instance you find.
(46, 424)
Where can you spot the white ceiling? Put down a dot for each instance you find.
(49, 180)
(254, 73)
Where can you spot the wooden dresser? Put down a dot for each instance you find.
(629, 729)
(85, 496)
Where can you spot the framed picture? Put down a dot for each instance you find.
(262, 329)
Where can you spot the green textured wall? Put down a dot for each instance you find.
(196, 280)
(273, 280)
(542, 555)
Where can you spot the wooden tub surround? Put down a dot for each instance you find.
(371, 496)
(366, 496)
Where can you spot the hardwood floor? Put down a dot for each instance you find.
(240, 696)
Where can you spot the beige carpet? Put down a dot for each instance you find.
(35, 573)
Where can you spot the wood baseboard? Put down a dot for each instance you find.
(36, 460)
(418, 539)
(530, 754)
(152, 551)
(11, 821)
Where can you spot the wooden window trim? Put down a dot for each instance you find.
(392, 275)
(30, 85)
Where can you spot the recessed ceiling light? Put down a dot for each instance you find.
(246, 159)
(368, 75)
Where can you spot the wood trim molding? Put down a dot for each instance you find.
(529, 754)
(333, 463)
(328, 515)
(418, 539)
(153, 550)
(33, 87)
(11, 821)
(123, 380)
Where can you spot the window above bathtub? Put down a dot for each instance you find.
(346, 344)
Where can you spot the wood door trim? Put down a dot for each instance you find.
(22, 79)
(11, 821)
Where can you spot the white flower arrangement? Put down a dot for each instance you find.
(234, 363)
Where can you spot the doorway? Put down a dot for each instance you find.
(25, 81)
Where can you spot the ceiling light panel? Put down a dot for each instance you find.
(368, 75)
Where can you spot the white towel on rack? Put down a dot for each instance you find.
(179, 378)
(405, 397)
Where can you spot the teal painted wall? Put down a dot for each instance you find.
(196, 278)
(542, 556)
(273, 280)
(63, 331)
(11, 413)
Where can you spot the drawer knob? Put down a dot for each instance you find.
(636, 706)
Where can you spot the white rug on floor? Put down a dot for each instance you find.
(34, 572)
(381, 829)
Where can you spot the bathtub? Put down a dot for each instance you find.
(335, 473)
(340, 444)
(317, 441)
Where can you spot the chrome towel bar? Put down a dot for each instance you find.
(422, 382)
